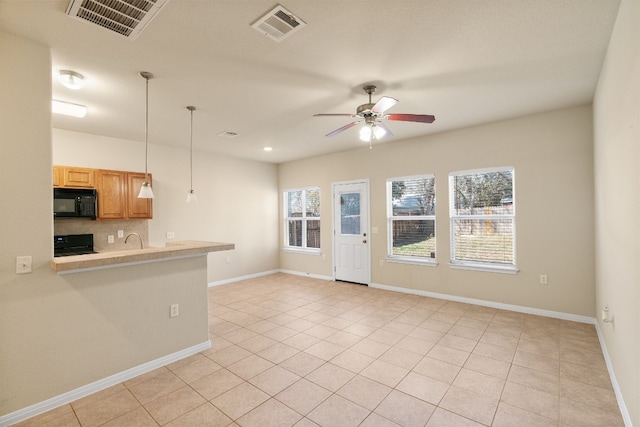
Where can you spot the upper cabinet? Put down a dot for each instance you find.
(73, 177)
(138, 208)
(112, 201)
(117, 190)
(118, 195)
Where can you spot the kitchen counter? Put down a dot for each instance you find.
(172, 250)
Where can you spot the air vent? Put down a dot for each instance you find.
(125, 17)
(278, 24)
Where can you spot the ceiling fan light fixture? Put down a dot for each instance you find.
(378, 132)
(366, 133)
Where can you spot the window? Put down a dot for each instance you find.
(302, 219)
(482, 216)
(411, 205)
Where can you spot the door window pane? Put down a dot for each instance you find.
(350, 213)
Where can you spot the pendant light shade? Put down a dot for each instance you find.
(146, 192)
(191, 195)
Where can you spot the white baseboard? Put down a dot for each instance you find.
(313, 276)
(266, 273)
(614, 382)
(492, 304)
(86, 390)
(238, 279)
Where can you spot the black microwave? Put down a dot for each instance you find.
(74, 203)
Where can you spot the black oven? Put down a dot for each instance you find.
(74, 203)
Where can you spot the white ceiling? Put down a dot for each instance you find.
(464, 61)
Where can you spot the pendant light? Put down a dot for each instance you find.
(191, 195)
(145, 191)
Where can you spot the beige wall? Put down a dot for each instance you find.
(552, 157)
(617, 196)
(237, 199)
(61, 332)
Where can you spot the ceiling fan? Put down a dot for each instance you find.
(372, 114)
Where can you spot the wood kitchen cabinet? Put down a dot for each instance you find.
(138, 208)
(112, 202)
(73, 177)
(118, 195)
(57, 176)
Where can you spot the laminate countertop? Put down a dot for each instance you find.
(172, 250)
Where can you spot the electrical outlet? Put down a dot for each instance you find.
(228, 260)
(174, 310)
(381, 263)
(23, 264)
(110, 238)
(120, 234)
(170, 235)
(543, 279)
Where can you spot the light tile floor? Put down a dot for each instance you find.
(288, 350)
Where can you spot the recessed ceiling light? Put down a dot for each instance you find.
(228, 134)
(71, 79)
(68, 108)
(268, 148)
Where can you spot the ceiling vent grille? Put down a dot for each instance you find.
(125, 17)
(278, 24)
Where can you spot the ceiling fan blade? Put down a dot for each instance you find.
(386, 129)
(334, 115)
(343, 128)
(384, 104)
(422, 118)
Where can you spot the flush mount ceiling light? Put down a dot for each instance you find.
(145, 191)
(68, 108)
(71, 79)
(191, 195)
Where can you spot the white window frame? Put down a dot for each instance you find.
(482, 265)
(304, 219)
(406, 259)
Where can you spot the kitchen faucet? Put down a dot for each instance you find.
(134, 234)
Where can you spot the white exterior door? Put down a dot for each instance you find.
(351, 253)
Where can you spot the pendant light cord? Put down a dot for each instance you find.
(146, 133)
(191, 109)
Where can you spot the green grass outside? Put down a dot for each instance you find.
(468, 248)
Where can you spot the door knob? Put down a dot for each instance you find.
(364, 241)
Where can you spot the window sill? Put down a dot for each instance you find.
(304, 251)
(430, 262)
(485, 267)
